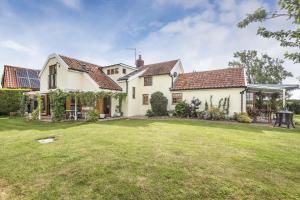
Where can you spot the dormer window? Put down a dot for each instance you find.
(52, 77)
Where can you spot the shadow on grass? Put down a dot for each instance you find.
(21, 124)
(17, 123)
(202, 123)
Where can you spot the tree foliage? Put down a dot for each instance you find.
(289, 9)
(260, 70)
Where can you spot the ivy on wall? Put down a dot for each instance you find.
(89, 99)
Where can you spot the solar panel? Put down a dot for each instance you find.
(35, 83)
(32, 74)
(23, 83)
(21, 73)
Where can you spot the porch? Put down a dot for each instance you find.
(75, 110)
(73, 105)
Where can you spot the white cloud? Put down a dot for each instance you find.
(10, 44)
(184, 3)
(203, 44)
(73, 4)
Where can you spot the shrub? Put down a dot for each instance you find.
(182, 109)
(35, 114)
(242, 117)
(149, 113)
(194, 106)
(10, 100)
(58, 99)
(23, 104)
(92, 115)
(215, 113)
(159, 104)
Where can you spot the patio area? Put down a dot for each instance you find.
(265, 101)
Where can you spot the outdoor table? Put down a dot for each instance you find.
(284, 117)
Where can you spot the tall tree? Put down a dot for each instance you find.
(289, 9)
(260, 70)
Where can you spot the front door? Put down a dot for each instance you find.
(107, 105)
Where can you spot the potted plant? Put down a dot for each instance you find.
(171, 113)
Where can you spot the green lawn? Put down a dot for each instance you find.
(297, 119)
(145, 159)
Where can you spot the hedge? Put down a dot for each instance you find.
(10, 100)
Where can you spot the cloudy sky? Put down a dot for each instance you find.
(202, 33)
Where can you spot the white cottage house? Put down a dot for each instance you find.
(69, 74)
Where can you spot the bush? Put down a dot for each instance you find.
(92, 115)
(149, 113)
(215, 113)
(242, 117)
(35, 114)
(182, 109)
(10, 100)
(159, 104)
(194, 106)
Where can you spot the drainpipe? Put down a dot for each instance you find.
(172, 83)
(242, 99)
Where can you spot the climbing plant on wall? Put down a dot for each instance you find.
(58, 99)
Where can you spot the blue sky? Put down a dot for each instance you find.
(202, 33)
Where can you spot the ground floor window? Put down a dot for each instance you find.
(176, 98)
(145, 99)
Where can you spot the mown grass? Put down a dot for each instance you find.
(148, 159)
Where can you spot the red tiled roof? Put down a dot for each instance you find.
(222, 78)
(10, 79)
(94, 71)
(153, 69)
(159, 68)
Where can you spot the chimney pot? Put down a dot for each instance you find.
(139, 62)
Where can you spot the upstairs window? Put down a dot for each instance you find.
(133, 92)
(112, 71)
(52, 77)
(108, 72)
(145, 99)
(176, 98)
(116, 70)
(148, 81)
(124, 71)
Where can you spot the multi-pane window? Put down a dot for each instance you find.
(52, 77)
(112, 71)
(116, 70)
(148, 81)
(176, 98)
(124, 71)
(145, 99)
(108, 72)
(133, 92)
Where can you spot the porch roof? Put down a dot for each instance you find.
(271, 88)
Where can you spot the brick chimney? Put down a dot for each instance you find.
(139, 62)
